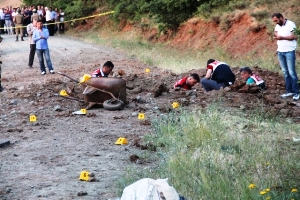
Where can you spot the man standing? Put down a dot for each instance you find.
(19, 23)
(30, 28)
(287, 42)
(218, 74)
(40, 37)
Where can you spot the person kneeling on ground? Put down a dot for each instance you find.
(187, 82)
(104, 71)
(252, 79)
(218, 74)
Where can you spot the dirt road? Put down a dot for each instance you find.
(44, 159)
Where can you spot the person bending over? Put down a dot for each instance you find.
(187, 82)
(252, 79)
(104, 71)
(218, 74)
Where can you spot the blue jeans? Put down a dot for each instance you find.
(210, 85)
(287, 62)
(39, 53)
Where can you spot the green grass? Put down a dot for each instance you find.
(217, 154)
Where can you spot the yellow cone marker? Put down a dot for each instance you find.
(141, 116)
(147, 70)
(84, 78)
(83, 111)
(63, 93)
(121, 141)
(175, 105)
(32, 118)
(84, 176)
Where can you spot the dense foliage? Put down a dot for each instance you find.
(167, 13)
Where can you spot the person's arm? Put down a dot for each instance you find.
(45, 34)
(29, 29)
(208, 74)
(36, 36)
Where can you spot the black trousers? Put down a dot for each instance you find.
(61, 27)
(31, 55)
(50, 27)
(2, 22)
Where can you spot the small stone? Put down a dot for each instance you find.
(57, 108)
(4, 142)
(164, 94)
(134, 114)
(82, 193)
(148, 95)
(8, 190)
(14, 102)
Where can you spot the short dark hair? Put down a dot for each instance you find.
(278, 15)
(195, 76)
(210, 61)
(246, 69)
(39, 20)
(108, 64)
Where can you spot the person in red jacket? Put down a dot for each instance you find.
(187, 82)
(104, 71)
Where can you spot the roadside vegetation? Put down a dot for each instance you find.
(220, 153)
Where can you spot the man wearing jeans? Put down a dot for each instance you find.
(287, 43)
(40, 37)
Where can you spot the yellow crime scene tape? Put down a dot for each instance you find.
(72, 20)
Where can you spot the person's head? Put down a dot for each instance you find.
(19, 11)
(193, 79)
(39, 24)
(246, 72)
(107, 67)
(278, 19)
(210, 61)
(34, 10)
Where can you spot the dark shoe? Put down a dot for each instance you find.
(30, 66)
(22, 39)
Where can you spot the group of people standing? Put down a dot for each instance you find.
(22, 16)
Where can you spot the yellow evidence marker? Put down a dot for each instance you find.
(84, 78)
(175, 105)
(83, 111)
(141, 116)
(147, 70)
(84, 176)
(63, 93)
(121, 141)
(32, 118)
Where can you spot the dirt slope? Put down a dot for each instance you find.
(13, 3)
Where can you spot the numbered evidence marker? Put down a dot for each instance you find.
(175, 105)
(84, 176)
(147, 70)
(63, 93)
(121, 141)
(141, 116)
(32, 118)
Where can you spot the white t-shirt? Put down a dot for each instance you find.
(286, 30)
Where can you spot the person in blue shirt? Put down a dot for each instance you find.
(252, 79)
(40, 37)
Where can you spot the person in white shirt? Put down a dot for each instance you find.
(287, 43)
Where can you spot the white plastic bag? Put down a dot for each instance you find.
(150, 189)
